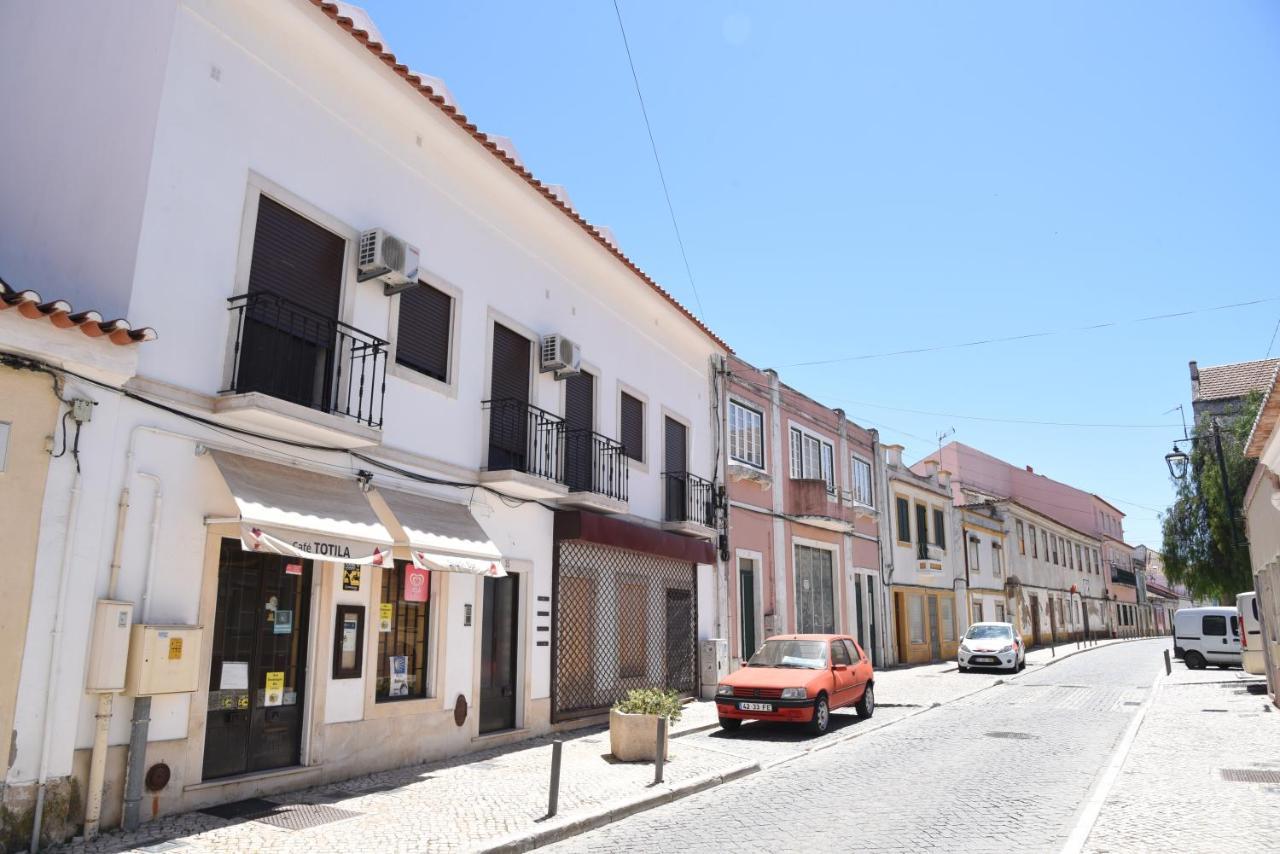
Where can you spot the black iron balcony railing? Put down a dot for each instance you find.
(922, 550)
(595, 463)
(689, 498)
(1120, 575)
(526, 439)
(290, 352)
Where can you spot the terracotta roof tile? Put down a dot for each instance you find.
(64, 316)
(1218, 382)
(419, 82)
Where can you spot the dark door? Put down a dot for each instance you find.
(680, 662)
(874, 646)
(1035, 621)
(675, 464)
(295, 292)
(498, 643)
(935, 639)
(259, 662)
(579, 412)
(747, 606)
(509, 391)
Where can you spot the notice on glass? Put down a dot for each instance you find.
(235, 676)
(284, 623)
(386, 611)
(274, 694)
(399, 676)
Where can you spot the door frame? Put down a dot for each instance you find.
(757, 593)
(523, 569)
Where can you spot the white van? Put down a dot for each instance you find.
(1251, 637)
(1205, 636)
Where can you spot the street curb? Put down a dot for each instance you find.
(695, 729)
(570, 827)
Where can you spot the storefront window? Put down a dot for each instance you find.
(916, 604)
(402, 637)
(948, 619)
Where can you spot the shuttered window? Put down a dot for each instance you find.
(422, 333)
(297, 259)
(511, 353)
(904, 520)
(939, 529)
(631, 428)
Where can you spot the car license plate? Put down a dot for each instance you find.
(755, 707)
(986, 659)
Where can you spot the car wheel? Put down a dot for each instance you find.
(866, 707)
(821, 721)
(1022, 665)
(730, 724)
(1194, 660)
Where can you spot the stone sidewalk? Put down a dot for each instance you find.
(497, 798)
(1203, 772)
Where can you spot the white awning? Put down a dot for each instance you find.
(442, 535)
(293, 511)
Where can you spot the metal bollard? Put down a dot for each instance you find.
(1168, 665)
(660, 754)
(553, 798)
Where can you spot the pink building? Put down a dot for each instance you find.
(803, 550)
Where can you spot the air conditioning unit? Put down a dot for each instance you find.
(561, 355)
(386, 257)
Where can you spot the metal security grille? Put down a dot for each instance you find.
(623, 620)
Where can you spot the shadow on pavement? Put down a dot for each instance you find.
(785, 733)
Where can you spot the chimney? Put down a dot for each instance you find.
(931, 467)
(1195, 380)
(893, 455)
(944, 478)
(1030, 470)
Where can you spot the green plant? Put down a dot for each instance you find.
(651, 701)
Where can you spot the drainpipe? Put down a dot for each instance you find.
(73, 506)
(137, 756)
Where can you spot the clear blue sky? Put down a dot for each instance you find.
(856, 178)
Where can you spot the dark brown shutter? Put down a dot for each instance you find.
(580, 401)
(422, 333)
(677, 459)
(632, 427)
(510, 365)
(297, 259)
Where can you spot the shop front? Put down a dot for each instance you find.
(927, 624)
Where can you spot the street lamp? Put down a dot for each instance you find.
(1177, 463)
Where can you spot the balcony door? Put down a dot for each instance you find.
(295, 295)
(579, 422)
(509, 391)
(675, 466)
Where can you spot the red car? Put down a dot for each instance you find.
(799, 679)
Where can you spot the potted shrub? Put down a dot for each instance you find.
(633, 723)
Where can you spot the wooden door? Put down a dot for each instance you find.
(499, 641)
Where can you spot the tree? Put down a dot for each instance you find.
(1198, 551)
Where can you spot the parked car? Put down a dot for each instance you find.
(1205, 636)
(991, 644)
(798, 679)
(1251, 637)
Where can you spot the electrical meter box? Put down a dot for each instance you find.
(164, 660)
(109, 651)
(713, 661)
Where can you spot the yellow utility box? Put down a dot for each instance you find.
(109, 651)
(164, 660)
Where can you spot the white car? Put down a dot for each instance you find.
(991, 645)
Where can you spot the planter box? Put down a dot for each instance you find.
(634, 738)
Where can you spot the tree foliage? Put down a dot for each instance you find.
(1198, 551)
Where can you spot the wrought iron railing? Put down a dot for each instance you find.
(689, 498)
(595, 463)
(526, 439)
(290, 352)
(922, 550)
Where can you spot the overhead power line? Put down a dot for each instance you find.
(656, 159)
(1028, 335)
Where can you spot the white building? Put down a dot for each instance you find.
(396, 537)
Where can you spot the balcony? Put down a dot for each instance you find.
(596, 470)
(688, 504)
(812, 501)
(297, 373)
(526, 450)
(1120, 575)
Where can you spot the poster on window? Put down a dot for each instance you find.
(417, 583)
(399, 676)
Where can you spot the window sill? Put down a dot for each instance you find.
(409, 375)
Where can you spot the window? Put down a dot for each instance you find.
(422, 331)
(997, 560)
(1067, 558)
(812, 458)
(1235, 626)
(403, 649)
(631, 629)
(999, 612)
(904, 519)
(855, 655)
(829, 467)
(922, 524)
(1214, 625)
(1035, 552)
(947, 609)
(862, 482)
(939, 529)
(815, 590)
(974, 565)
(1079, 558)
(746, 435)
(840, 653)
(1097, 563)
(631, 426)
(916, 606)
(977, 612)
(1055, 551)
(1044, 542)
(1022, 538)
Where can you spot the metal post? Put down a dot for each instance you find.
(660, 753)
(1168, 666)
(553, 798)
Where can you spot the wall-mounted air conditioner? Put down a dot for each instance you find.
(389, 259)
(561, 355)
